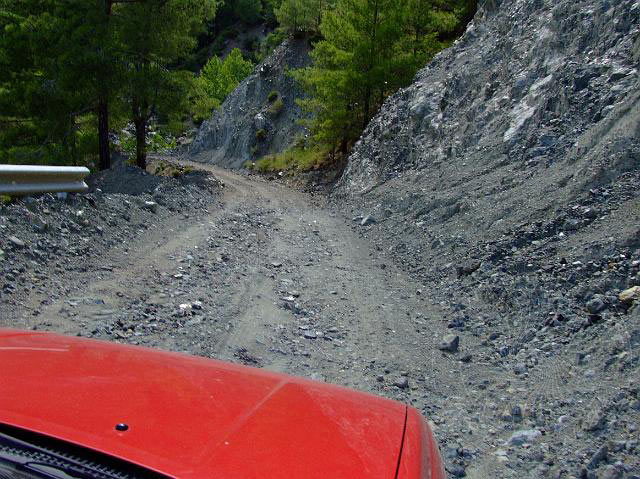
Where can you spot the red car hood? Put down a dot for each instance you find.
(191, 417)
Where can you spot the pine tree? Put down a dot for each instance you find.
(68, 64)
(217, 79)
(301, 16)
(49, 73)
(354, 66)
(248, 11)
(370, 48)
(157, 34)
(428, 21)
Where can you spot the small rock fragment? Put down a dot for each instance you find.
(16, 242)
(595, 305)
(368, 220)
(449, 343)
(595, 420)
(151, 206)
(630, 295)
(599, 456)
(468, 268)
(524, 436)
(456, 470)
(520, 368)
(612, 472)
(401, 382)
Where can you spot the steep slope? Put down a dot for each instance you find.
(251, 121)
(506, 178)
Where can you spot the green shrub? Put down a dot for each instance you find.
(127, 143)
(174, 127)
(217, 79)
(271, 41)
(156, 143)
(276, 107)
(160, 143)
(87, 149)
(294, 160)
(273, 96)
(261, 134)
(168, 168)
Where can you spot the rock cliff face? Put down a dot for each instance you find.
(507, 179)
(536, 106)
(534, 87)
(251, 121)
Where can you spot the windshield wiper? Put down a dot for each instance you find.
(44, 462)
(40, 456)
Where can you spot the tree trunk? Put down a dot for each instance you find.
(344, 146)
(141, 142)
(372, 58)
(103, 111)
(103, 133)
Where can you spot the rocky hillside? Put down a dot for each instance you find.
(506, 178)
(260, 116)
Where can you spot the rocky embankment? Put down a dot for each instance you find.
(260, 116)
(506, 179)
(50, 235)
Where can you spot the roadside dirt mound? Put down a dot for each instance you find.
(130, 180)
(50, 234)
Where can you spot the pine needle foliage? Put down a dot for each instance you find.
(368, 50)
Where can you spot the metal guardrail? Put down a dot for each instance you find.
(20, 180)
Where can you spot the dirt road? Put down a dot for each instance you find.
(272, 278)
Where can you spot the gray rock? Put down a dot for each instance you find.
(520, 368)
(309, 334)
(594, 420)
(468, 268)
(368, 220)
(17, 242)
(449, 343)
(596, 305)
(612, 472)
(151, 206)
(401, 382)
(456, 470)
(599, 456)
(39, 224)
(524, 436)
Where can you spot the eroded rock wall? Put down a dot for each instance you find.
(249, 124)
